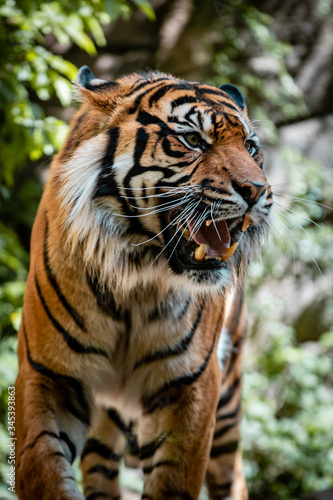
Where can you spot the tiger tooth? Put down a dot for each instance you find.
(186, 233)
(200, 252)
(246, 223)
(228, 253)
(208, 222)
(213, 257)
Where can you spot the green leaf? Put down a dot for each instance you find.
(146, 8)
(63, 90)
(96, 31)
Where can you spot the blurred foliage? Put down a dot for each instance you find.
(248, 53)
(287, 427)
(287, 397)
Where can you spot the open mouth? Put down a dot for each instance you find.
(207, 243)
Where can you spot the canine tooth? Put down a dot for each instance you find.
(186, 233)
(246, 223)
(228, 253)
(208, 222)
(200, 252)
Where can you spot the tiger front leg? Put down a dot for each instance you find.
(104, 447)
(48, 439)
(175, 436)
(225, 478)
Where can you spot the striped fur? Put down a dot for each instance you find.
(129, 346)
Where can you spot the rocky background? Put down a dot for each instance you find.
(280, 54)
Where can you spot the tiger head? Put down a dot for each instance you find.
(168, 174)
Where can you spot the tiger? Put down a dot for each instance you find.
(133, 324)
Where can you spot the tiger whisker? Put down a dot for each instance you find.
(156, 195)
(153, 237)
(167, 204)
(160, 187)
(153, 211)
(174, 221)
(174, 248)
(295, 237)
(198, 222)
(292, 210)
(297, 199)
(186, 209)
(211, 211)
(274, 228)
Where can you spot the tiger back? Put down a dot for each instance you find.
(133, 320)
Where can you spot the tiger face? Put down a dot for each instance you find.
(172, 171)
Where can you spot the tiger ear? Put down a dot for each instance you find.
(97, 91)
(235, 95)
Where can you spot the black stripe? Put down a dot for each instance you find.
(171, 86)
(148, 450)
(146, 497)
(224, 449)
(140, 145)
(182, 495)
(106, 184)
(40, 435)
(132, 444)
(148, 119)
(166, 309)
(145, 83)
(76, 402)
(101, 469)
(164, 463)
(105, 300)
(176, 350)
(224, 430)
(231, 414)
(94, 445)
(96, 495)
(106, 85)
(57, 454)
(70, 309)
(216, 489)
(183, 100)
(188, 177)
(72, 342)
(64, 437)
(224, 102)
(143, 94)
(170, 152)
(228, 395)
(116, 419)
(151, 402)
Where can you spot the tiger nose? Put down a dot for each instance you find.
(250, 191)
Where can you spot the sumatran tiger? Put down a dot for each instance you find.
(133, 320)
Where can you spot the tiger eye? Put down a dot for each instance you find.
(193, 139)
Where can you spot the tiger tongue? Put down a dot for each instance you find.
(216, 236)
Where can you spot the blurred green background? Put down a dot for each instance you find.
(280, 54)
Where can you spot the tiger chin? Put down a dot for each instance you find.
(133, 322)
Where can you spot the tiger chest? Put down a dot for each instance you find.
(150, 345)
